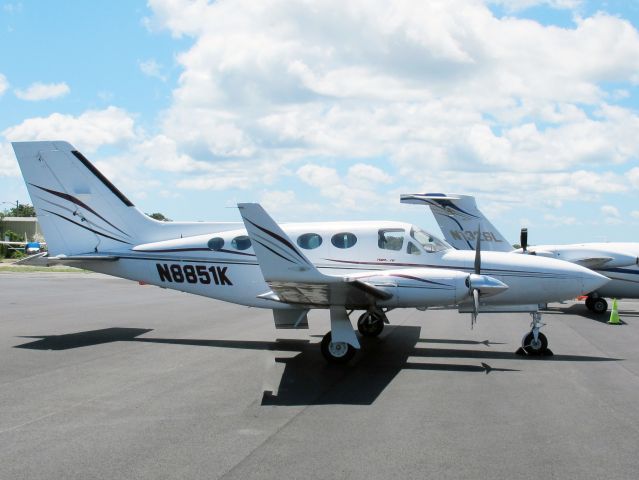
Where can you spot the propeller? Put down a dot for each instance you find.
(481, 284)
(523, 239)
(475, 291)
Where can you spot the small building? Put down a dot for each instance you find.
(22, 226)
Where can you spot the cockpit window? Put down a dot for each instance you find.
(390, 238)
(413, 249)
(429, 242)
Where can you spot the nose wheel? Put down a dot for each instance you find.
(597, 305)
(534, 342)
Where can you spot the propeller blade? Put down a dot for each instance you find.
(523, 239)
(478, 252)
(473, 316)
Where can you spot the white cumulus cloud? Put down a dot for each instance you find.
(88, 131)
(43, 91)
(422, 83)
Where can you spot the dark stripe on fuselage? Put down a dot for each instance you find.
(410, 277)
(455, 267)
(194, 249)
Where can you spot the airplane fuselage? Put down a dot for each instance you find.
(222, 265)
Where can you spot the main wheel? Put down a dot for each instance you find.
(370, 324)
(599, 305)
(336, 352)
(533, 347)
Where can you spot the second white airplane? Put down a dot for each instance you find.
(292, 268)
(458, 218)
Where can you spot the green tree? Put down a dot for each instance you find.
(159, 216)
(21, 210)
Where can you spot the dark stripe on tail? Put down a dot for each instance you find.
(86, 228)
(78, 202)
(102, 178)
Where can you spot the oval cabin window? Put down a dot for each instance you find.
(344, 240)
(242, 242)
(216, 243)
(309, 241)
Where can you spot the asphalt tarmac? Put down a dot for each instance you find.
(103, 378)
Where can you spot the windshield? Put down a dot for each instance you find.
(429, 242)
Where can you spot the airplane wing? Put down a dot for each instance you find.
(292, 277)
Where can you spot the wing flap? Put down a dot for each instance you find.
(288, 319)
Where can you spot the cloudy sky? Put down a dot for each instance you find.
(329, 109)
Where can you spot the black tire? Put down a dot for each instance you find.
(589, 301)
(533, 348)
(599, 305)
(370, 325)
(334, 354)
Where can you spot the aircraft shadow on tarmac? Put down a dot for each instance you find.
(308, 380)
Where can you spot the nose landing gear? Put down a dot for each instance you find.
(597, 305)
(534, 342)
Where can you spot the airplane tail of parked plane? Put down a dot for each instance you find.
(81, 211)
(459, 219)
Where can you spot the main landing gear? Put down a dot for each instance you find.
(340, 344)
(596, 304)
(534, 342)
(371, 323)
(336, 352)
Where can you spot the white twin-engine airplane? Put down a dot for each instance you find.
(458, 218)
(292, 268)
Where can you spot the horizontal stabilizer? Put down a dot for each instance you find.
(42, 259)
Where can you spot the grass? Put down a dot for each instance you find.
(6, 265)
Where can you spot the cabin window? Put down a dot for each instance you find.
(344, 240)
(390, 238)
(413, 249)
(309, 241)
(242, 242)
(216, 243)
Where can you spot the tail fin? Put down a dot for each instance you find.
(81, 211)
(459, 219)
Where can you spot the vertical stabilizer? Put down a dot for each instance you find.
(459, 220)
